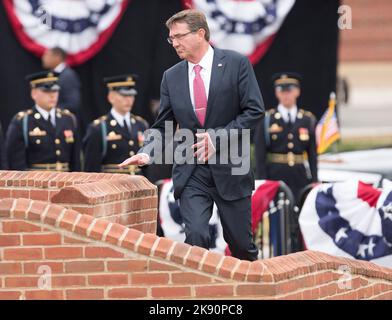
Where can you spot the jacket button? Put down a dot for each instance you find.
(57, 141)
(131, 153)
(290, 145)
(58, 152)
(114, 146)
(290, 136)
(131, 143)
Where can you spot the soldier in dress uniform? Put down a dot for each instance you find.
(285, 141)
(117, 135)
(44, 137)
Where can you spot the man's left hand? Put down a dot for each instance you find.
(204, 148)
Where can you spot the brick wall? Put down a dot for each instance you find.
(370, 38)
(92, 258)
(128, 200)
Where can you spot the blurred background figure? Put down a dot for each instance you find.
(285, 140)
(117, 135)
(70, 86)
(43, 137)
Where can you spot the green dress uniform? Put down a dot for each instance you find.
(34, 143)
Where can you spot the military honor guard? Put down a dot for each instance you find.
(117, 135)
(43, 137)
(285, 140)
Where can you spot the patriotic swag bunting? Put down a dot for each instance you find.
(246, 26)
(349, 219)
(174, 228)
(81, 28)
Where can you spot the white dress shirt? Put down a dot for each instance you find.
(205, 73)
(60, 68)
(120, 118)
(45, 114)
(285, 112)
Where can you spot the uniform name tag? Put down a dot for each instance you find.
(275, 128)
(112, 136)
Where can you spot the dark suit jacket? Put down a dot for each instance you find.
(234, 102)
(3, 157)
(70, 95)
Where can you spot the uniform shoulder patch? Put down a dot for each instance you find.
(141, 119)
(99, 120)
(66, 112)
(20, 115)
(271, 111)
(309, 114)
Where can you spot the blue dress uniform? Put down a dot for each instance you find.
(108, 142)
(34, 143)
(287, 150)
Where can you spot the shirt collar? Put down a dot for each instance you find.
(205, 62)
(120, 118)
(60, 68)
(285, 112)
(44, 113)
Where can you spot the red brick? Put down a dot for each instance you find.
(84, 266)
(68, 220)
(214, 291)
(5, 206)
(131, 238)
(10, 295)
(259, 290)
(149, 278)
(99, 229)
(9, 240)
(23, 254)
(19, 193)
(83, 224)
(34, 267)
(242, 271)
(19, 226)
(171, 292)
(163, 247)
(42, 195)
(4, 193)
(42, 239)
(68, 240)
(128, 265)
(179, 252)
(189, 278)
(44, 295)
(147, 243)
(68, 281)
(19, 282)
(211, 262)
(63, 252)
(10, 268)
(127, 293)
(115, 233)
(84, 294)
(158, 266)
(227, 267)
(102, 252)
(108, 280)
(195, 256)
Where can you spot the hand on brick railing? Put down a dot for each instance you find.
(140, 159)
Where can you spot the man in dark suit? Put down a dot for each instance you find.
(44, 137)
(70, 95)
(211, 89)
(117, 135)
(285, 141)
(3, 157)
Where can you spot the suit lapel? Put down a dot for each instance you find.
(217, 72)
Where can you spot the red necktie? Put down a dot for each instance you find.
(199, 94)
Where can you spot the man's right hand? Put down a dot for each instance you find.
(140, 159)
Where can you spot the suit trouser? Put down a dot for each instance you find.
(196, 204)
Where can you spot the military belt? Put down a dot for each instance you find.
(287, 158)
(113, 168)
(58, 166)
